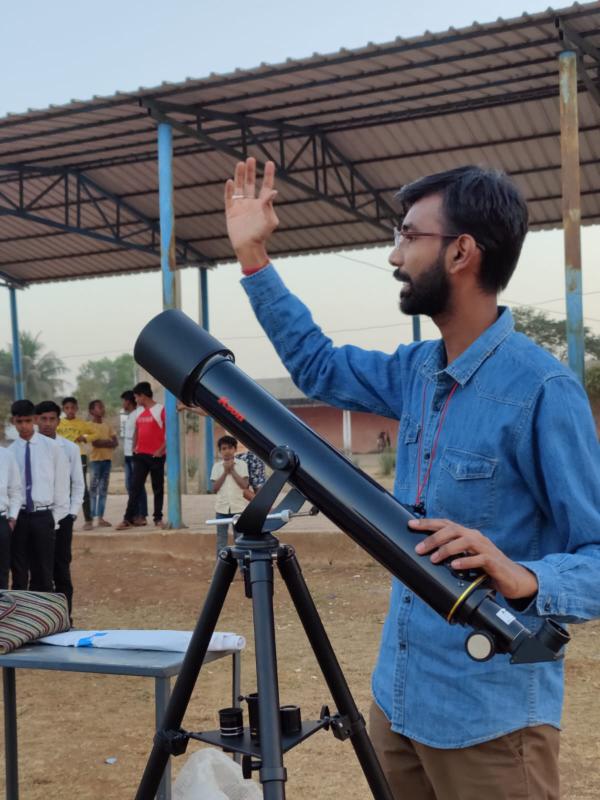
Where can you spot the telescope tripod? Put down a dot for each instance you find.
(255, 550)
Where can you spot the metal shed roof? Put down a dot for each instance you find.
(79, 187)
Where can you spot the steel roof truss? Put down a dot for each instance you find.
(329, 168)
(82, 206)
(583, 48)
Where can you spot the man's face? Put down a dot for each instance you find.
(227, 452)
(47, 423)
(70, 410)
(127, 405)
(97, 410)
(24, 426)
(420, 261)
(138, 399)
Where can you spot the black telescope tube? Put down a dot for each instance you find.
(199, 370)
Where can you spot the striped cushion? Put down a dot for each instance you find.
(25, 616)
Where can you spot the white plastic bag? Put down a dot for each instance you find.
(209, 774)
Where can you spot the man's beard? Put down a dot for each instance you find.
(429, 294)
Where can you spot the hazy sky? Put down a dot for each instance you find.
(71, 49)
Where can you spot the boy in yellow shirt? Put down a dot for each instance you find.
(104, 441)
(80, 431)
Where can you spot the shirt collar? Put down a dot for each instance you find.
(465, 366)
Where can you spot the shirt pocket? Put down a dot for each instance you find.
(466, 488)
(406, 458)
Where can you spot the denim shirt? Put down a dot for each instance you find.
(517, 458)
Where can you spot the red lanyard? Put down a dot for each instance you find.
(421, 484)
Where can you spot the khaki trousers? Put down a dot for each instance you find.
(522, 765)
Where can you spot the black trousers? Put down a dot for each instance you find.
(32, 552)
(87, 511)
(62, 559)
(5, 534)
(143, 464)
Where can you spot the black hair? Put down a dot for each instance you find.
(69, 400)
(92, 403)
(487, 205)
(143, 387)
(230, 440)
(47, 406)
(129, 396)
(22, 408)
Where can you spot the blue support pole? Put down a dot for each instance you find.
(571, 210)
(208, 423)
(416, 326)
(16, 347)
(168, 265)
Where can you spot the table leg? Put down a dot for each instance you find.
(10, 733)
(236, 690)
(162, 692)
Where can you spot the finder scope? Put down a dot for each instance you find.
(198, 369)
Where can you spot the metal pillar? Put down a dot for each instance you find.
(571, 208)
(208, 459)
(347, 431)
(416, 326)
(170, 300)
(16, 347)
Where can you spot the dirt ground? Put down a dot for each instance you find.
(69, 724)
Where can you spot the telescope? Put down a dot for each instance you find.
(198, 369)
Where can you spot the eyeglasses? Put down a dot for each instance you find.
(408, 236)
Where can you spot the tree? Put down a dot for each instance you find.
(43, 370)
(552, 334)
(105, 379)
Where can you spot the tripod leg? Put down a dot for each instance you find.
(317, 636)
(190, 669)
(272, 773)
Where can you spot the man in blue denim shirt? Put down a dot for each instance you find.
(497, 451)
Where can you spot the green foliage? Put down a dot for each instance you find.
(552, 334)
(387, 461)
(43, 371)
(592, 381)
(105, 379)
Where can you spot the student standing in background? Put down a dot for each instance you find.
(12, 498)
(104, 441)
(78, 430)
(47, 419)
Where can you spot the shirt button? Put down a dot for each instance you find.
(426, 456)
(402, 646)
(407, 598)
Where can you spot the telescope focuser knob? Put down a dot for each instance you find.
(283, 458)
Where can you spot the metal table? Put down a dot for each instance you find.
(160, 665)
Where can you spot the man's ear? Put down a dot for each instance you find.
(464, 254)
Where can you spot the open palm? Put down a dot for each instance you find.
(251, 219)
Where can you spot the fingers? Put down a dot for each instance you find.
(229, 189)
(249, 189)
(239, 179)
(268, 182)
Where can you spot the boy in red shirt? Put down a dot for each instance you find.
(149, 447)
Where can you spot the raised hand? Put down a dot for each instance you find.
(250, 219)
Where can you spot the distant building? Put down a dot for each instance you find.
(327, 420)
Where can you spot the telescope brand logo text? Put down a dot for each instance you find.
(223, 401)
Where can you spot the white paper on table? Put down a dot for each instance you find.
(175, 641)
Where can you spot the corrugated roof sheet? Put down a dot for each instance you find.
(487, 94)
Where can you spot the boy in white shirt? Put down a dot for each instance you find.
(47, 419)
(229, 482)
(11, 500)
(45, 477)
